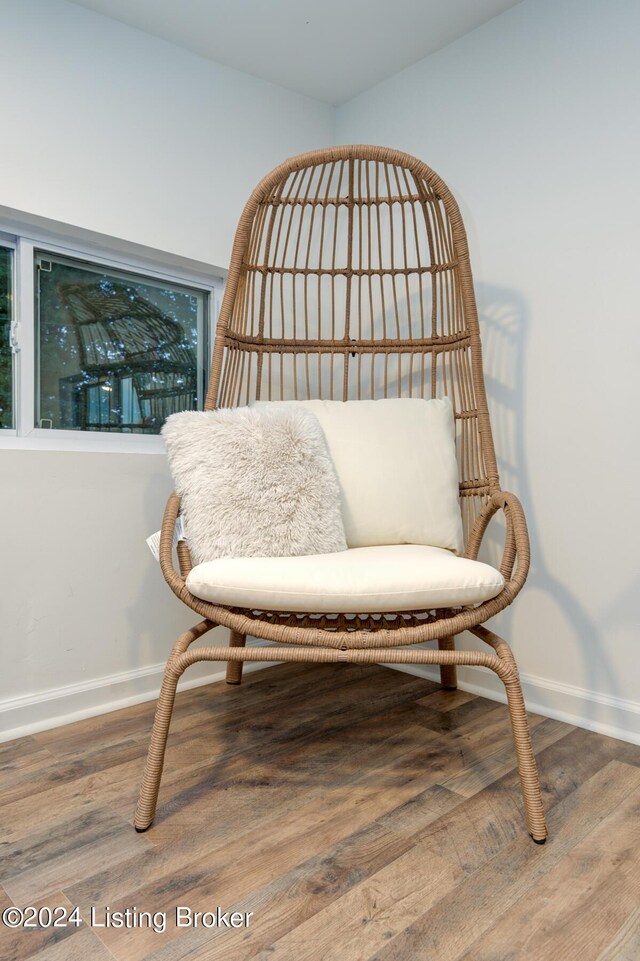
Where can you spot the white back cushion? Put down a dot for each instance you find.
(396, 465)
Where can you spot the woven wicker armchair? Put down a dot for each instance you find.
(350, 279)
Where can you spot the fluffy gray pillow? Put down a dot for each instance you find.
(254, 483)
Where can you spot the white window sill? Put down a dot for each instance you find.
(91, 442)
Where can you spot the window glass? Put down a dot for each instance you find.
(6, 360)
(117, 351)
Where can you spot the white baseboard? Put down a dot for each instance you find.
(603, 713)
(20, 716)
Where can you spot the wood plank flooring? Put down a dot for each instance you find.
(358, 813)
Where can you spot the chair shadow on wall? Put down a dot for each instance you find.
(504, 323)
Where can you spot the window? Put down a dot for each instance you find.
(116, 351)
(106, 344)
(6, 317)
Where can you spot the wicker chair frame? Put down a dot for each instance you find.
(350, 278)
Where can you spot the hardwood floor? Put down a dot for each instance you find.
(358, 813)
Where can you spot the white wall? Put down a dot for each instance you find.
(108, 128)
(532, 119)
(113, 131)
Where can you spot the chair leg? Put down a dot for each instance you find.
(527, 768)
(448, 672)
(234, 668)
(147, 800)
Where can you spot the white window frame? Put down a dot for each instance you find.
(26, 435)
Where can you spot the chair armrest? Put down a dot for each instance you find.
(516, 546)
(175, 581)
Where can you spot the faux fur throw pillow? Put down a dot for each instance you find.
(254, 483)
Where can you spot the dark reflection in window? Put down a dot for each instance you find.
(6, 376)
(116, 352)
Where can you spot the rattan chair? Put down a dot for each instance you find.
(350, 279)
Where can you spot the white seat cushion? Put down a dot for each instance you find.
(401, 577)
(396, 465)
